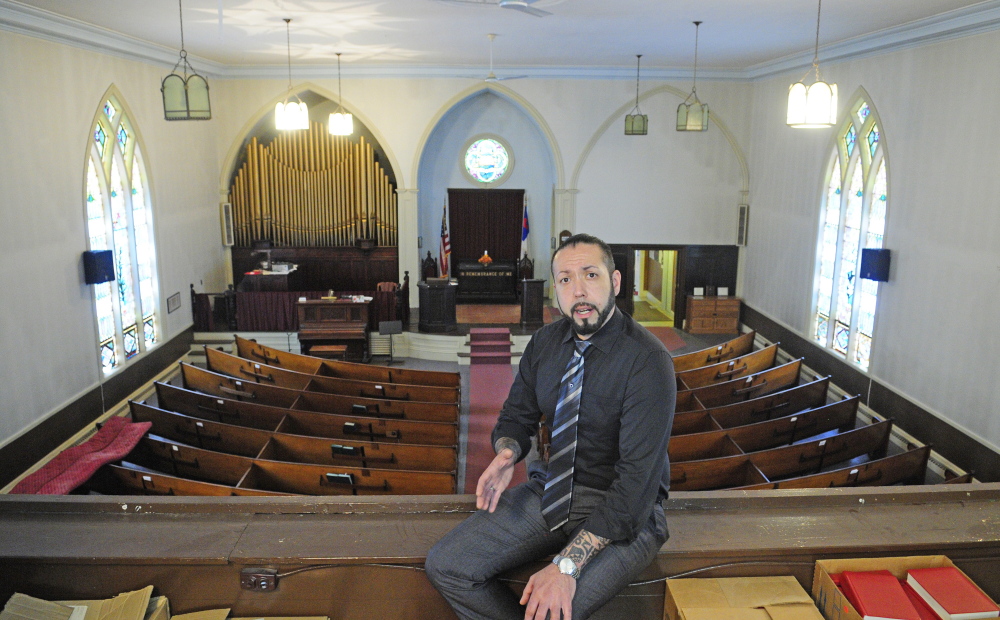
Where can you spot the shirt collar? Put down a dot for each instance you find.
(604, 339)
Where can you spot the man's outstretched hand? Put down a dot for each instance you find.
(494, 480)
(549, 591)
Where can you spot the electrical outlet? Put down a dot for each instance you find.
(259, 579)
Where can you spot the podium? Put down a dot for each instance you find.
(437, 307)
(532, 302)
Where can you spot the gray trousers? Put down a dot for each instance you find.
(464, 564)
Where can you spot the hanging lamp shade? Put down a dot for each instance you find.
(290, 115)
(692, 115)
(812, 106)
(341, 124)
(185, 97)
(815, 105)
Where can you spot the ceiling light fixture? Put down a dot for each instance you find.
(185, 98)
(341, 123)
(814, 105)
(290, 114)
(636, 123)
(693, 116)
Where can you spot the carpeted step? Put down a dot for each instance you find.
(489, 334)
(491, 347)
(489, 357)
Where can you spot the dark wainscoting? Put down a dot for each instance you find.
(340, 268)
(23, 452)
(950, 442)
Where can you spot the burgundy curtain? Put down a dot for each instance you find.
(485, 219)
(270, 312)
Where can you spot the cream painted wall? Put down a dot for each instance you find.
(47, 326)
(936, 339)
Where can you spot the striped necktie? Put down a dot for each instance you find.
(562, 450)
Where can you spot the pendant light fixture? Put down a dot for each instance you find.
(185, 98)
(814, 105)
(693, 116)
(290, 114)
(636, 123)
(341, 123)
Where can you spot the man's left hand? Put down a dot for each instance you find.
(548, 590)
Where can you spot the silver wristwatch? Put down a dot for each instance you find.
(566, 566)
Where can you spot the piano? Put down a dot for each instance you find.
(334, 328)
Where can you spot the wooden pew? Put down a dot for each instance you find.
(283, 446)
(190, 462)
(777, 463)
(740, 345)
(224, 363)
(221, 385)
(726, 371)
(738, 390)
(909, 467)
(763, 435)
(348, 370)
(778, 404)
(310, 423)
(136, 480)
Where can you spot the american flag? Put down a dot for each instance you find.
(445, 250)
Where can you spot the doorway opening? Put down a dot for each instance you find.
(654, 286)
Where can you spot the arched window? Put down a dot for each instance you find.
(119, 219)
(853, 217)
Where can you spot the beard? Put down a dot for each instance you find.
(585, 327)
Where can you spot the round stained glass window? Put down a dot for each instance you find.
(487, 160)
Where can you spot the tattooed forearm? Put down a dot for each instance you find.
(506, 442)
(584, 547)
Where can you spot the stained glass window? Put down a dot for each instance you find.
(119, 219)
(845, 310)
(863, 112)
(873, 139)
(487, 160)
(100, 138)
(122, 137)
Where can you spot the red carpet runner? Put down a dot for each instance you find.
(74, 466)
(490, 377)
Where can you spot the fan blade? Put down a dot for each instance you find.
(524, 7)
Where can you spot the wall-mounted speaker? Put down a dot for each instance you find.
(874, 264)
(742, 224)
(98, 266)
(226, 215)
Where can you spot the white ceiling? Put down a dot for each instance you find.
(738, 39)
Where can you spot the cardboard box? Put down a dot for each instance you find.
(739, 598)
(208, 614)
(832, 602)
(125, 606)
(24, 607)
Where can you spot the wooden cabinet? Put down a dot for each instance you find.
(713, 315)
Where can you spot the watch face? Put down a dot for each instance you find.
(566, 566)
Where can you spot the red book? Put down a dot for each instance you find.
(950, 593)
(925, 611)
(877, 595)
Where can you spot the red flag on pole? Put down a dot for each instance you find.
(445, 250)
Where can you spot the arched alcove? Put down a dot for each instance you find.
(491, 113)
(683, 187)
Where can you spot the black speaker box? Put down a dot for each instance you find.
(874, 264)
(98, 266)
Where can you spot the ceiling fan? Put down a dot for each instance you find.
(524, 6)
(492, 77)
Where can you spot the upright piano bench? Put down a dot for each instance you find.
(329, 351)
